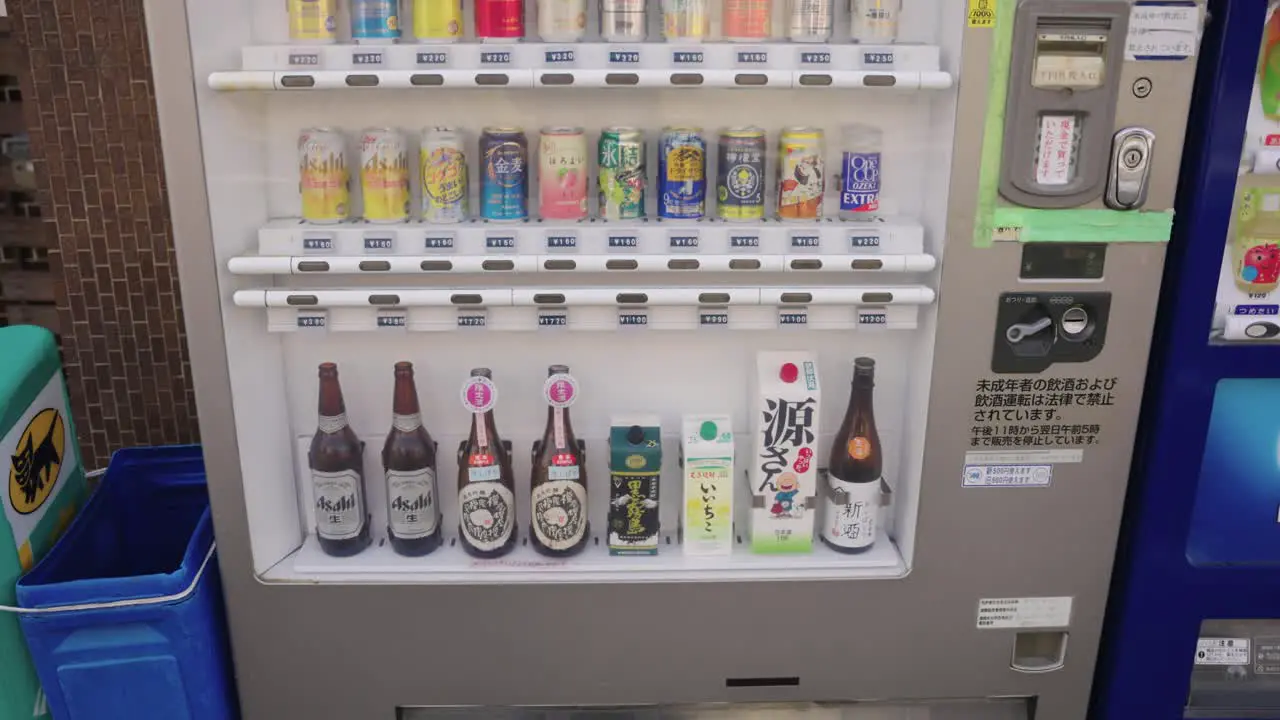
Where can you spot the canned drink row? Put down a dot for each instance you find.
(506, 171)
(443, 21)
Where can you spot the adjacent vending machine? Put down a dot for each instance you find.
(669, 355)
(1194, 626)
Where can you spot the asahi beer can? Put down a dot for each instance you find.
(682, 173)
(504, 183)
(874, 21)
(801, 181)
(562, 21)
(747, 20)
(443, 162)
(500, 20)
(313, 21)
(323, 176)
(384, 175)
(622, 20)
(740, 174)
(809, 20)
(622, 173)
(437, 21)
(562, 173)
(686, 19)
(375, 22)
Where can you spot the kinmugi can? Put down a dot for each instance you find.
(323, 176)
(375, 22)
(384, 175)
(620, 162)
(562, 173)
(622, 20)
(686, 19)
(740, 174)
(747, 20)
(504, 184)
(809, 20)
(313, 21)
(682, 173)
(437, 21)
(801, 183)
(443, 162)
(500, 20)
(562, 20)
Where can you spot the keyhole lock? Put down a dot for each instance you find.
(1132, 158)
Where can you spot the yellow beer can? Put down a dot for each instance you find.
(384, 175)
(324, 179)
(437, 21)
(313, 21)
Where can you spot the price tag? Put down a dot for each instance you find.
(717, 317)
(624, 57)
(864, 241)
(500, 243)
(379, 243)
(879, 59)
(633, 318)
(312, 320)
(740, 241)
(562, 241)
(753, 57)
(553, 318)
(432, 59)
(317, 243)
(437, 242)
(558, 57)
(393, 320)
(304, 59)
(366, 58)
(683, 241)
(791, 317)
(815, 58)
(495, 57)
(805, 239)
(687, 57)
(873, 318)
(623, 242)
(473, 319)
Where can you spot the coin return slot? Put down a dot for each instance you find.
(492, 79)
(867, 264)
(549, 299)
(622, 79)
(465, 299)
(621, 265)
(436, 265)
(1037, 652)
(313, 266)
(560, 265)
(302, 300)
(879, 80)
(384, 299)
(362, 81)
(556, 78)
(806, 264)
(744, 264)
(880, 298)
(686, 78)
(498, 265)
(815, 80)
(375, 265)
(298, 81)
(751, 79)
(797, 297)
(714, 298)
(632, 298)
(426, 79)
(683, 264)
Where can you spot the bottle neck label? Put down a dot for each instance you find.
(557, 426)
(412, 511)
(559, 513)
(482, 432)
(486, 513)
(850, 513)
(406, 423)
(339, 504)
(330, 424)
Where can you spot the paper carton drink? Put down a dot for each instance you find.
(784, 464)
(635, 460)
(706, 446)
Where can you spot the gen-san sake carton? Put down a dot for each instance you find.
(706, 456)
(783, 471)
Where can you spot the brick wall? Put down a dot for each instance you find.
(90, 111)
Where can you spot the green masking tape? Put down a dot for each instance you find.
(1083, 225)
(993, 132)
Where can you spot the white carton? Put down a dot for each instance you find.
(784, 465)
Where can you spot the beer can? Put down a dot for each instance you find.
(504, 185)
(375, 22)
(443, 164)
(313, 21)
(562, 173)
(809, 20)
(562, 20)
(747, 20)
(740, 174)
(437, 21)
(324, 179)
(500, 20)
(682, 173)
(622, 173)
(623, 20)
(874, 21)
(801, 181)
(686, 19)
(384, 175)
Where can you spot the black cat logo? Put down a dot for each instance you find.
(37, 461)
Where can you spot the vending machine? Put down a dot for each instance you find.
(1194, 624)
(669, 356)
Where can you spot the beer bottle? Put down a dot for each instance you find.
(559, 482)
(486, 483)
(336, 459)
(852, 498)
(409, 461)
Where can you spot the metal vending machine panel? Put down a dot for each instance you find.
(840, 377)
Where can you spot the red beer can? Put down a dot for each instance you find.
(500, 19)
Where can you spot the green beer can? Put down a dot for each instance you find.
(622, 174)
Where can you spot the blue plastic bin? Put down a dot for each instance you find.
(140, 632)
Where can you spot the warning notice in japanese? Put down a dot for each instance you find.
(1040, 412)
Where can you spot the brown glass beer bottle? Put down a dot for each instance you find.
(851, 504)
(559, 481)
(486, 483)
(409, 463)
(336, 459)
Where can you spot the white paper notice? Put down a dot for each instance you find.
(1057, 149)
(1163, 30)
(1222, 651)
(1035, 612)
(1024, 457)
(1008, 475)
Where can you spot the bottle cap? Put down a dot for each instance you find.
(557, 370)
(864, 366)
(482, 372)
(404, 367)
(708, 431)
(789, 373)
(328, 369)
(635, 435)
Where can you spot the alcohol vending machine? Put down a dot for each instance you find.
(1194, 624)
(669, 356)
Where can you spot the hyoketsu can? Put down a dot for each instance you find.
(443, 164)
(323, 176)
(682, 173)
(384, 175)
(740, 174)
(313, 21)
(500, 20)
(801, 175)
(562, 173)
(375, 22)
(504, 182)
(620, 164)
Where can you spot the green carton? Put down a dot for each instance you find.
(43, 487)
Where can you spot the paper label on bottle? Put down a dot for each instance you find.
(571, 472)
(559, 513)
(406, 423)
(1222, 651)
(479, 394)
(331, 425)
(488, 473)
(486, 513)
(851, 513)
(411, 503)
(339, 503)
(560, 390)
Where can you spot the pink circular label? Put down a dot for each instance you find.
(560, 390)
(479, 394)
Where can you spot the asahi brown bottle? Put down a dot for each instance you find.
(409, 462)
(851, 503)
(486, 483)
(336, 458)
(559, 482)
